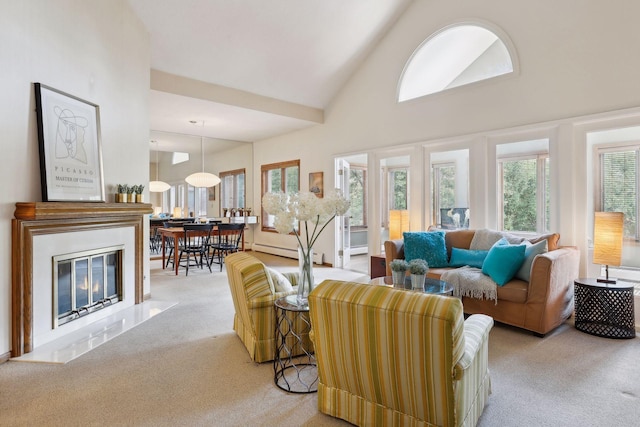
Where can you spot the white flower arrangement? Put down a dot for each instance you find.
(304, 206)
(315, 213)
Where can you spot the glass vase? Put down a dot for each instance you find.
(305, 282)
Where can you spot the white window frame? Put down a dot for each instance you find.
(230, 186)
(433, 48)
(435, 167)
(541, 190)
(598, 194)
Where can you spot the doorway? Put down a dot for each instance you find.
(352, 231)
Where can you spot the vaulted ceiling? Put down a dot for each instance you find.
(247, 70)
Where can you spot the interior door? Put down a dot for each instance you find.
(343, 240)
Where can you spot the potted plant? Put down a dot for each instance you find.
(418, 269)
(131, 189)
(398, 271)
(121, 195)
(138, 190)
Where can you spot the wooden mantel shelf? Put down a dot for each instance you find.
(33, 211)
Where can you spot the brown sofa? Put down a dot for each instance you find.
(539, 306)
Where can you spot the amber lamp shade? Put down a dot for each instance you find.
(398, 223)
(608, 231)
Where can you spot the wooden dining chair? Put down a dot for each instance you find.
(168, 243)
(227, 239)
(173, 223)
(195, 243)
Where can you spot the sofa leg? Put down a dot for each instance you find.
(538, 334)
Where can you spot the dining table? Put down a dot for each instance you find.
(175, 233)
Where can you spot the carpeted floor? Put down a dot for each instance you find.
(187, 367)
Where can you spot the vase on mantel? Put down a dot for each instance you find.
(305, 282)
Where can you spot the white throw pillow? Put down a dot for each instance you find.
(280, 282)
(484, 239)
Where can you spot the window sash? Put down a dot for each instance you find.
(619, 179)
(232, 189)
(440, 193)
(283, 176)
(358, 197)
(511, 218)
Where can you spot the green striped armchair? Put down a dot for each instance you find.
(253, 296)
(390, 357)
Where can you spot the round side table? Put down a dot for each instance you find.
(604, 309)
(294, 366)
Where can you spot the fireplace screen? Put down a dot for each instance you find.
(85, 282)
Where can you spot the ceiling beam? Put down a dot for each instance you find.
(178, 85)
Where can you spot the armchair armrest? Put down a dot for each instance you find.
(393, 249)
(552, 274)
(472, 383)
(476, 336)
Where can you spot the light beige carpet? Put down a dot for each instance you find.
(186, 367)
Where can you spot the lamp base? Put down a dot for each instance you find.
(608, 280)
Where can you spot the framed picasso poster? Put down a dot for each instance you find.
(70, 147)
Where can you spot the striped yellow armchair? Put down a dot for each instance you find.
(390, 357)
(253, 296)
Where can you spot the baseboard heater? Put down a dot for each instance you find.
(318, 258)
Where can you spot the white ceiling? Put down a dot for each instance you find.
(296, 53)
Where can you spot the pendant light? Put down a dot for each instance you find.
(158, 186)
(202, 179)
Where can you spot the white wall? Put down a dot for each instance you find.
(574, 61)
(93, 49)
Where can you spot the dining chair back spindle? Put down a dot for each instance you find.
(195, 243)
(169, 244)
(227, 239)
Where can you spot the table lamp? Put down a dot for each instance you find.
(607, 241)
(177, 212)
(398, 223)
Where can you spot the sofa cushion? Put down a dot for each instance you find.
(515, 290)
(426, 245)
(484, 239)
(461, 257)
(280, 283)
(458, 239)
(503, 261)
(531, 251)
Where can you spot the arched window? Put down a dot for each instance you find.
(455, 56)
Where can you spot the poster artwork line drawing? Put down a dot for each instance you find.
(70, 134)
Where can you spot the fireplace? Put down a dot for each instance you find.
(48, 237)
(85, 282)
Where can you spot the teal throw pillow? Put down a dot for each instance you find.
(503, 261)
(531, 251)
(462, 257)
(426, 245)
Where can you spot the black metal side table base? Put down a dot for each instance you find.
(294, 366)
(605, 310)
